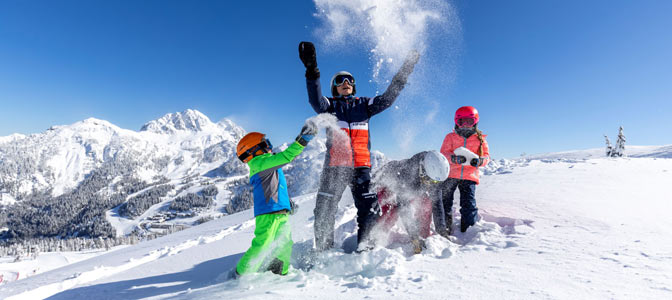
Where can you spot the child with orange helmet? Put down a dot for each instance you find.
(272, 244)
(467, 150)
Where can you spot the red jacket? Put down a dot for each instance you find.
(453, 141)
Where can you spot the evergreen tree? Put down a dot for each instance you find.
(619, 150)
(610, 149)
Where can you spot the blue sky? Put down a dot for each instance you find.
(546, 76)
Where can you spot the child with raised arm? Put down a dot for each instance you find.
(272, 244)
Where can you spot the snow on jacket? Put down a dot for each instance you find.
(402, 175)
(268, 180)
(453, 141)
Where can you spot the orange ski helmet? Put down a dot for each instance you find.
(251, 145)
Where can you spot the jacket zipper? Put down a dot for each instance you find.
(352, 146)
(462, 166)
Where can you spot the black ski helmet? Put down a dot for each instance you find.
(334, 92)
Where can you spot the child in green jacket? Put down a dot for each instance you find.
(272, 244)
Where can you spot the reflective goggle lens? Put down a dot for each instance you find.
(268, 144)
(264, 145)
(340, 79)
(466, 122)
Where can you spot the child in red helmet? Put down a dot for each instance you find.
(467, 150)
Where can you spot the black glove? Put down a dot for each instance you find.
(309, 59)
(475, 162)
(307, 54)
(458, 159)
(308, 132)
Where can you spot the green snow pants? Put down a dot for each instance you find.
(271, 247)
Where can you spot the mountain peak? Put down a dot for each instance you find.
(96, 122)
(188, 120)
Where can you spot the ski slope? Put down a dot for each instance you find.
(562, 226)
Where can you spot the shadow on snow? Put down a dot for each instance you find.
(201, 275)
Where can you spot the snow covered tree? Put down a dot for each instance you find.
(619, 150)
(609, 149)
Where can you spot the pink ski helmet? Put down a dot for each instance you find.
(466, 112)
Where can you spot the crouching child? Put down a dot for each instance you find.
(271, 247)
(405, 188)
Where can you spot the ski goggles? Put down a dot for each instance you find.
(340, 80)
(463, 122)
(264, 145)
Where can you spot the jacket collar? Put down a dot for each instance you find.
(348, 97)
(465, 133)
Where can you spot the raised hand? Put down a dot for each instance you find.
(308, 132)
(307, 55)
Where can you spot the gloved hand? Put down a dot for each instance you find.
(475, 162)
(309, 59)
(308, 132)
(458, 159)
(466, 154)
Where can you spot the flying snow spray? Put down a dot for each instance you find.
(389, 31)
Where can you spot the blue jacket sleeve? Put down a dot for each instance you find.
(319, 103)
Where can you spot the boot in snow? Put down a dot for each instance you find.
(464, 226)
(449, 225)
(232, 274)
(365, 245)
(276, 267)
(418, 245)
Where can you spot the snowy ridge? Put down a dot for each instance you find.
(543, 223)
(630, 151)
(504, 166)
(189, 120)
(185, 150)
(61, 157)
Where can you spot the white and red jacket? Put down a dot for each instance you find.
(353, 114)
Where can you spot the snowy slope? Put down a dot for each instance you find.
(551, 229)
(630, 151)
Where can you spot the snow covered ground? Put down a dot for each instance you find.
(12, 270)
(561, 226)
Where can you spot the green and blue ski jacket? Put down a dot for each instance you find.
(268, 180)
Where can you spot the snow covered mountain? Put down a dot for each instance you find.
(178, 170)
(179, 144)
(565, 226)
